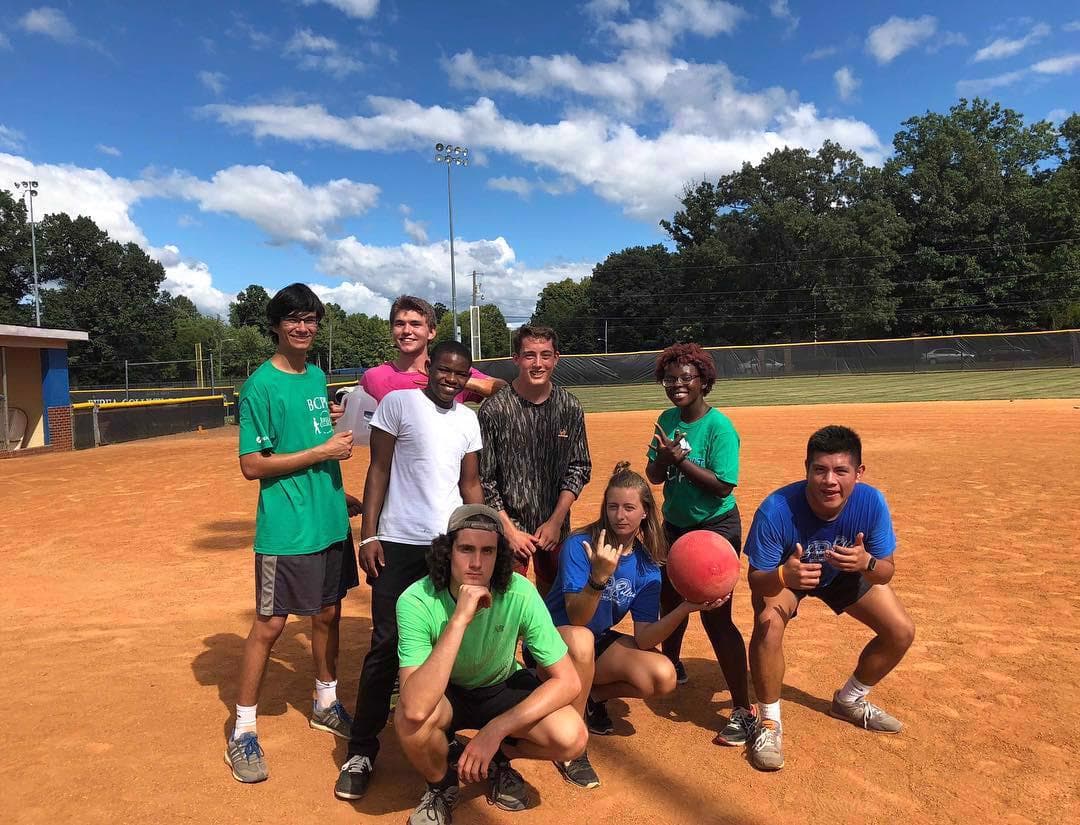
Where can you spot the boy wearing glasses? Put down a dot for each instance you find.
(535, 461)
(695, 455)
(304, 562)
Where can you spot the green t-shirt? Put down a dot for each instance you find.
(281, 412)
(714, 444)
(486, 655)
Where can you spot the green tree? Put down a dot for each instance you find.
(249, 308)
(440, 310)
(16, 271)
(494, 334)
(637, 290)
(566, 307)
(968, 184)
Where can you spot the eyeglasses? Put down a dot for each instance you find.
(685, 380)
(292, 321)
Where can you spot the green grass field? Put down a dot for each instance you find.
(857, 389)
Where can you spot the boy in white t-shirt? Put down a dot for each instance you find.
(425, 450)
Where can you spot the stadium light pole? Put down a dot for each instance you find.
(30, 190)
(451, 156)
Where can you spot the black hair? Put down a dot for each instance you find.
(293, 299)
(453, 347)
(834, 439)
(438, 561)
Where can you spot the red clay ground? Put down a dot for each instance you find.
(128, 588)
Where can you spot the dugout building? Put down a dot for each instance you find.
(35, 401)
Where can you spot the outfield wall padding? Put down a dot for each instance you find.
(121, 422)
(1027, 350)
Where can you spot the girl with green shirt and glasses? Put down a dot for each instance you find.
(695, 455)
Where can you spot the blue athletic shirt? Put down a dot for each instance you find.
(785, 518)
(634, 587)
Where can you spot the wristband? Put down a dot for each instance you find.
(597, 586)
(362, 542)
(780, 573)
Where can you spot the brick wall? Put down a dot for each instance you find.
(60, 428)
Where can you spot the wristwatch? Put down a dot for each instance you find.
(598, 586)
(870, 565)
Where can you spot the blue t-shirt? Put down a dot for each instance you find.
(785, 518)
(634, 586)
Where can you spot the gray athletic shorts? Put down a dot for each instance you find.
(303, 585)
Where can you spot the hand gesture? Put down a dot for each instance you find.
(522, 544)
(707, 606)
(547, 535)
(799, 576)
(848, 559)
(471, 599)
(354, 505)
(604, 559)
(668, 452)
(371, 558)
(336, 411)
(475, 759)
(338, 447)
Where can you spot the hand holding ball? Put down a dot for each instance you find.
(703, 566)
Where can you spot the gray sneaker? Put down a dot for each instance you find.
(436, 806)
(506, 787)
(334, 719)
(766, 748)
(244, 756)
(738, 730)
(865, 715)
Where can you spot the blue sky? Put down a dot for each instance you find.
(293, 140)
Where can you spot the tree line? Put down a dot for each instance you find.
(972, 225)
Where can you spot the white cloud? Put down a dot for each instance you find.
(820, 53)
(49, 22)
(320, 53)
(986, 84)
(243, 29)
(424, 269)
(416, 230)
(214, 81)
(186, 221)
(516, 185)
(781, 11)
(1057, 116)
(1074, 26)
(643, 174)
(185, 276)
(280, 203)
(4, 42)
(896, 35)
(363, 9)
(846, 82)
(1066, 64)
(354, 297)
(1004, 47)
(11, 138)
(705, 18)
(105, 149)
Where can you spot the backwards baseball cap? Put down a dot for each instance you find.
(475, 516)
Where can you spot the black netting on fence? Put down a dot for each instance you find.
(982, 352)
(116, 425)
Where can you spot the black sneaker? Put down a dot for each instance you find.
(506, 787)
(597, 718)
(680, 673)
(355, 776)
(579, 772)
(436, 806)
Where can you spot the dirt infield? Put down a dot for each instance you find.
(128, 588)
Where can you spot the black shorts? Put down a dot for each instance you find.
(303, 585)
(839, 594)
(606, 640)
(475, 707)
(728, 525)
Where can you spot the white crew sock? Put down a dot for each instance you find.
(769, 710)
(852, 692)
(325, 693)
(245, 720)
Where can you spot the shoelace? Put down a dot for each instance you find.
(766, 737)
(429, 803)
(357, 764)
(870, 712)
(252, 748)
(339, 711)
(505, 778)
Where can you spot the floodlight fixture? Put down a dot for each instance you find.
(452, 155)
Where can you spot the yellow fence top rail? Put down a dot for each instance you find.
(157, 402)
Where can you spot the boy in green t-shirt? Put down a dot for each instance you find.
(304, 557)
(458, 629)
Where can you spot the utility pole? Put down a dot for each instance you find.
(474, 319)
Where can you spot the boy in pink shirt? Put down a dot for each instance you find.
(412, 328)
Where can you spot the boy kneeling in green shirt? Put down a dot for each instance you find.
(458, 629)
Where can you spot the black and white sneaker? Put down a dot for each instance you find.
(506, 787)
(579, 772)
(355, 776)
(597, 718)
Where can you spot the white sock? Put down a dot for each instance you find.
(325, 693)
(245, 720)
(852, 692)
(769, 710)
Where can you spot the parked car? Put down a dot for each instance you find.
(1010, 352)
(752, 366)
(947, 355)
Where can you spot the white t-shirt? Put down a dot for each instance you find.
(424, 473)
